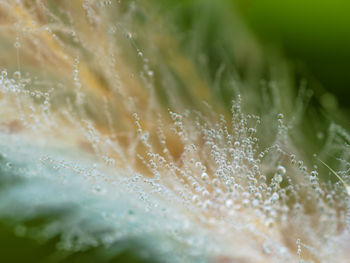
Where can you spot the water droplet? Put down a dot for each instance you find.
(278, 178)
(280, 116)
(129, 35)
(267, 249)
(17, 75)
(245, 202)
(229, 203)
(195, 199)
(17, 44)
(207, 204)
(205, 176)
(275, 197)
(269, 223)
(98, 188)
(205, 193)
(314, 173)
(144, 136)
(281, 170)
(215, 182)
(255, 202)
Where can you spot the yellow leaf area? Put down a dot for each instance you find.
(67, 47)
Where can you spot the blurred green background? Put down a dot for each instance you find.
(250, 40)
(315, 35)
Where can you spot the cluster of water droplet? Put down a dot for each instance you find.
(195, 169)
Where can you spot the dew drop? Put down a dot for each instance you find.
(205, 193)
(17, 75)
(215, 182)
(205, 176)
(207, 204)
(98, 188)
(245, 202)
(145, 137)
(195, 199)
(269, 223)
(267, 249)
(255, 202)
(275, 197)
(17, 44)
(314, 173)
(278, 178)
(129, 35)
(229, 203)
(281, 170)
